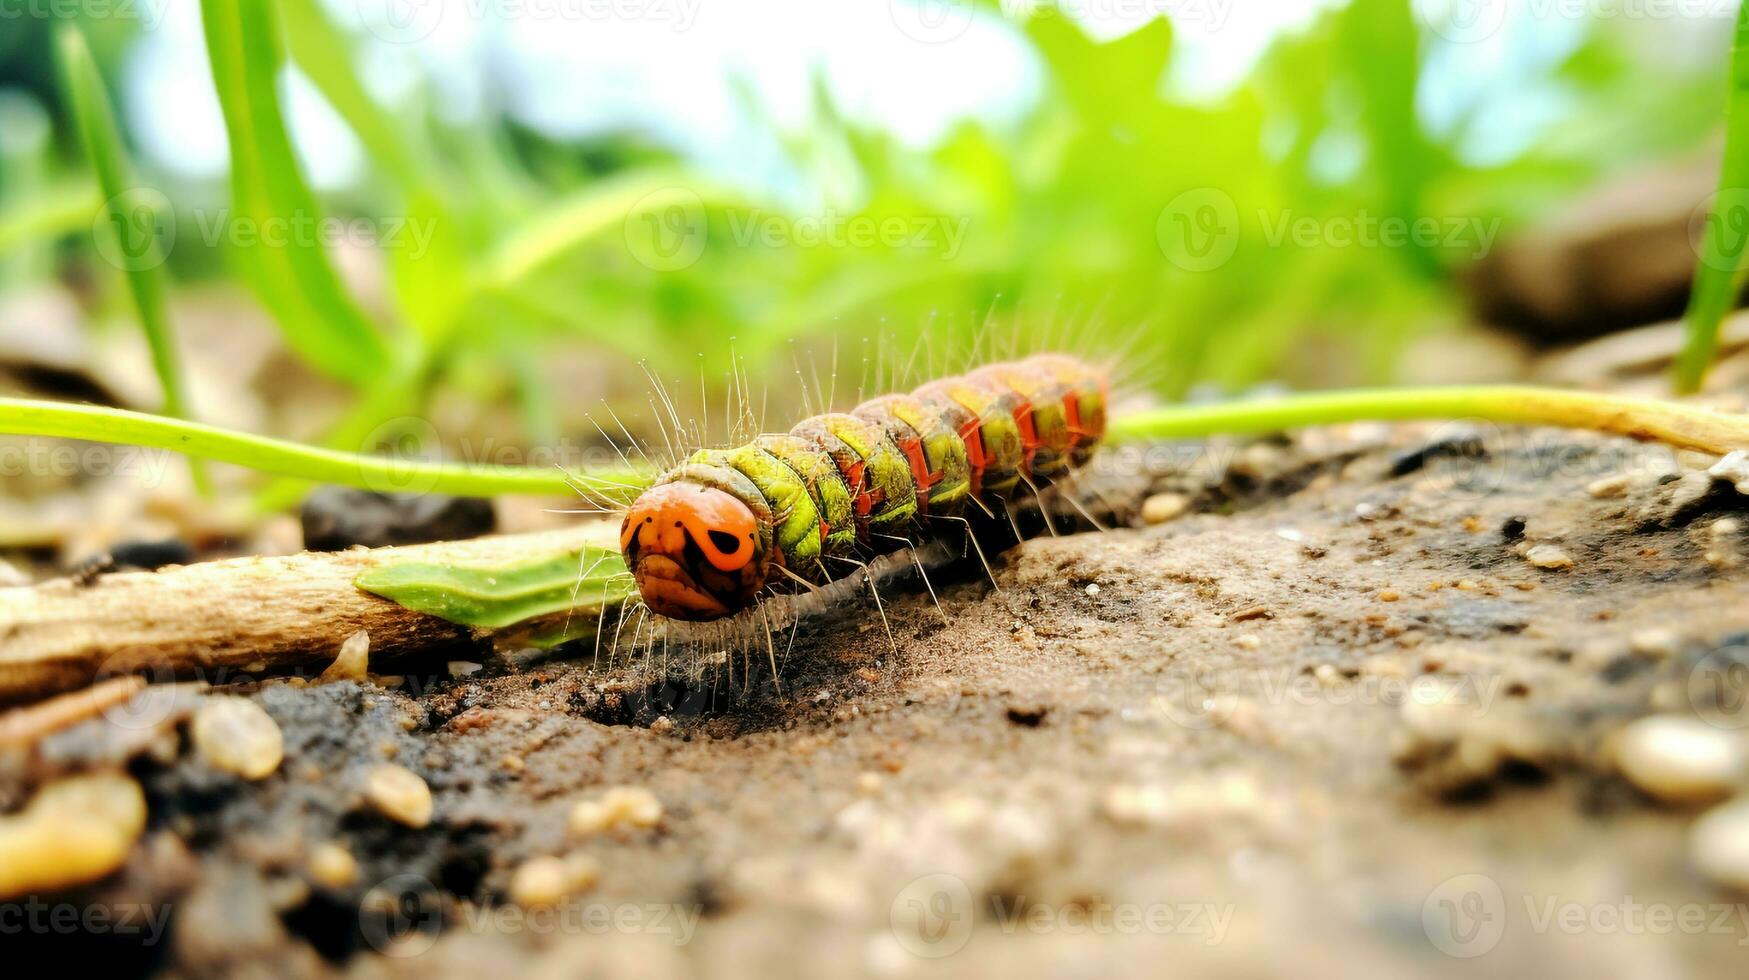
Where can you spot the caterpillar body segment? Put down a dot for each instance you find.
(838, 489)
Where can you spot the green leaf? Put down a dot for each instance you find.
(579, 583)
(133, 220)
(296, 282)
(1719, 276)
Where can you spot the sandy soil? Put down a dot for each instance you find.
(1329, 721)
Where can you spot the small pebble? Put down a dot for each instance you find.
(1389, 595)
(663, 725)
(1681, 760)
(353, 662)
(1610, 486)
(1249, 641)
(621, 806)
(1163, 507)
(1718, 844)
(75, 830)
(1733, 468)
(234, 735)
(539, 883)
(1548, 556)
(463, 668)
(1658, 643)
(1092, 589)
(399, 794)
(332, 866)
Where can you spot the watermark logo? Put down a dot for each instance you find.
(832, 229)
(1462, 21)
(1718, 687)
(931, 21)
(1723, 220)
(1465, 916)
(149, 13)
(136, 229)
(401, 916)
(1198, 231)
(407, 447)
(932, 916)
(401, 21)
(666, 230)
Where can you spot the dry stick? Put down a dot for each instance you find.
(217, 620)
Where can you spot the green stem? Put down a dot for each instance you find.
(1685, 426)
(1640, 418)
(19, 416)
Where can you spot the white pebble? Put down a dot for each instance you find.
(1163, 507)
(399, 794)
(1718, 845)
(1680, 760)
(234, 735)
(1548, 556)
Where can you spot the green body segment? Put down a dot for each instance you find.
(838, 489)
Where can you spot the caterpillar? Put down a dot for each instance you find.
(810, 506)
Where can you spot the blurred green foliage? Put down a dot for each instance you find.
(1140, 224)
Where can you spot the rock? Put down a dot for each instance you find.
(1163, 507)
(353, 661)
(621, 806)
(234, 735)
(1718, 844)
(1616, 256)
(399, 794)
(1733, 468)
(73, 831)
(332, 866)
(336, 518)
(1681, 760)
(1548, 556)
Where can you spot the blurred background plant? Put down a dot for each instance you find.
(379, 219)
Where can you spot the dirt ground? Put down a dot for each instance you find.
(1330, 720)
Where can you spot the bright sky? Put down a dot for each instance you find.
(665, 67)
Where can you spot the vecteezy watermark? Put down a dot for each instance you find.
(831, 229)
(403, 915)
(61, 460)
(1467, 916)
(1718, 687)
(1363, 229)
(1473, 21)
(149, 13)
(667, 230)
(1197, 702)
(1718, 228)
(933, 917)
(1199, 230)
(33, 916)
(137, 230)
(412, 21)
(941, 21)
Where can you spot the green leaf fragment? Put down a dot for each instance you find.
(580, 583)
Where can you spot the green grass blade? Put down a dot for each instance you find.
(296, 282)
(20, 416)
(1718, 277)
(131, 223)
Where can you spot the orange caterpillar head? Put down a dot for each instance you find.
(696, 552)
